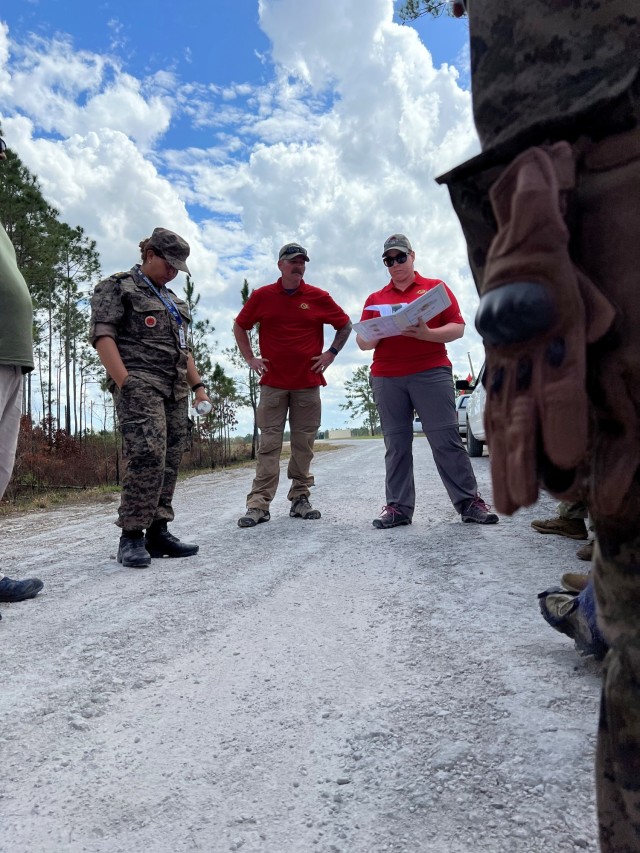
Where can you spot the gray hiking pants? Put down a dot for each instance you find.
(431, 395)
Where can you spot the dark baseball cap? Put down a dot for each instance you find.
(290, 250)
(396, 241)
(172, 247)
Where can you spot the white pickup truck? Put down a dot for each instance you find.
(476, 436)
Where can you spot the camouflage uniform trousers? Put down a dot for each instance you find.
(572, 509)
(155, 433)
(605, 231)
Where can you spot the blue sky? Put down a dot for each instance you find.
(218, 42)
(244, 125)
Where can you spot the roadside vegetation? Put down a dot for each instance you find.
(69, 440)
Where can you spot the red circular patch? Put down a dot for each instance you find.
(150, 322)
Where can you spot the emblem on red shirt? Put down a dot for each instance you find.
(420, 292)
(150, 322)
(304, 306)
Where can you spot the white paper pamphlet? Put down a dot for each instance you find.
(394, 319)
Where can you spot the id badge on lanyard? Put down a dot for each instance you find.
(171, 307)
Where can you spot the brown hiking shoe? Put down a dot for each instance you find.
(585, 552)
(254, 516)
(575, 582)
(301, 508)
(573, 528)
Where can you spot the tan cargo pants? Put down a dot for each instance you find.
(303, 408)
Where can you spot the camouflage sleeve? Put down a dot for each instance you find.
(102, 330)
(544, 65)
(106, 308)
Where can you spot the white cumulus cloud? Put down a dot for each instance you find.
(338, 149)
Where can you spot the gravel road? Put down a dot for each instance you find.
(296, 687)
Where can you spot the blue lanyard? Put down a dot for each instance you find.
(168, 303)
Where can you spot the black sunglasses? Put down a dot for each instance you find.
(293, 250)
(400, 258)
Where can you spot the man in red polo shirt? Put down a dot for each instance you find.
(292, 315)
(411, 371)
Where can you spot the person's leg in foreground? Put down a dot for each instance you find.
(10, 409)
(609, 224)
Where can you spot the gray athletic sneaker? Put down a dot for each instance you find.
(301, 508)
(254, 516)
(477, 511)
(390, 517)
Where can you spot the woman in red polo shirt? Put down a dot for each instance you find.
(411, 371)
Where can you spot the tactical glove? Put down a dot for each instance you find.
(537, 313)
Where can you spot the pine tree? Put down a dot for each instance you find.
(360, 400)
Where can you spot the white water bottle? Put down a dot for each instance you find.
(203, 408)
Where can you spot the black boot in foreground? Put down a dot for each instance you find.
(131, 551)
(19, 590)
(161, 543)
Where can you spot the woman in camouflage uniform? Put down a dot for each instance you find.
(139, 329)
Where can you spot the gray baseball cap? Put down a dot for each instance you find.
(172, 247)
(397, 241)
(290, 250)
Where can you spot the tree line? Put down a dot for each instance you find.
(68, 436)
(68, 413)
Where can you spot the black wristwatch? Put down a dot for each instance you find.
(198, 385)
(334, 350)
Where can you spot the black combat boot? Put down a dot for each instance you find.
(161, 543)
(131, 550)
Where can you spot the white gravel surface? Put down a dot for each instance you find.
(299, 686)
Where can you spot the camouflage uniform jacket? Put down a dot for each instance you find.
(125, 308)
(549, 65)
(542, 71)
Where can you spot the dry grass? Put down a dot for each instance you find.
(110, 494)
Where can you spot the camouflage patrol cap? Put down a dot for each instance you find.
(396, 241)
(290, 250)
(171, 247)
